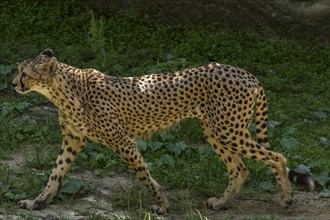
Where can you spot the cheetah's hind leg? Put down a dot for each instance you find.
(237, 172)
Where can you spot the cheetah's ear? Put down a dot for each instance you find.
(44, 64)
(47, 53)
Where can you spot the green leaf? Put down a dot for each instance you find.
(324, 141)
(6, 69)
(273, 123)
(266, 185)
(3, 85)
(74, 186)
(14, 197)
(153, 69)
(30, 126)
(320, 114)
(167, 137)
(166, 159)
(98, 156)
(22, 106)
(4, 187)
(303, 169)
(7, 108)
(142, 145)
(177, 148)
(288, 142)
(289, 131)
(325, 193)
(10, 195)
(170, 57)
(97, 172)
(322, 179)
(155, 145)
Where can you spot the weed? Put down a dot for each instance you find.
(98, 42)
(5, 75)
(8, 186)
(194, 214)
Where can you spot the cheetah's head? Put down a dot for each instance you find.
(35, 74)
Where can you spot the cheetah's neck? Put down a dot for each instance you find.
(67, 86)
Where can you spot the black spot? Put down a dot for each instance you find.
(223, 137)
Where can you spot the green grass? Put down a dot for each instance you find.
(295, 74)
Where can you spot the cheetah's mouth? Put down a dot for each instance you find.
(21, 88)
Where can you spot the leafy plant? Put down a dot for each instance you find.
(10, 108)
(8, 186)
(5, 72)
(323, 179)
(74, 186)
(163, 150)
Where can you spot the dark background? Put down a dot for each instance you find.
(282, 18)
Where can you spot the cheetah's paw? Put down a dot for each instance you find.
(31, 204)
(161, 210)
(286, 199)
(216, 204)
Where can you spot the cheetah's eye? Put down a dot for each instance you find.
(24, 74)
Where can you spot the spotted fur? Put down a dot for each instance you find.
(114, 110)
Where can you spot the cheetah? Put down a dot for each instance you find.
(114, 110)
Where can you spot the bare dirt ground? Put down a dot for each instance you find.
(108, 197)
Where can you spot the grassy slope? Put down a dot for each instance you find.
(295, 74)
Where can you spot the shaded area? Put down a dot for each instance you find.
(280, 18)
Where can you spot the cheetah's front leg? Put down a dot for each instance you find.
(71, 146)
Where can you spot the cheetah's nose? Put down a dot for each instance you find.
(14, 84)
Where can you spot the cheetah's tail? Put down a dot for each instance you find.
(303, 180)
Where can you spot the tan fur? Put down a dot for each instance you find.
(113, 110)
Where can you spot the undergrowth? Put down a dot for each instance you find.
(295, 74)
